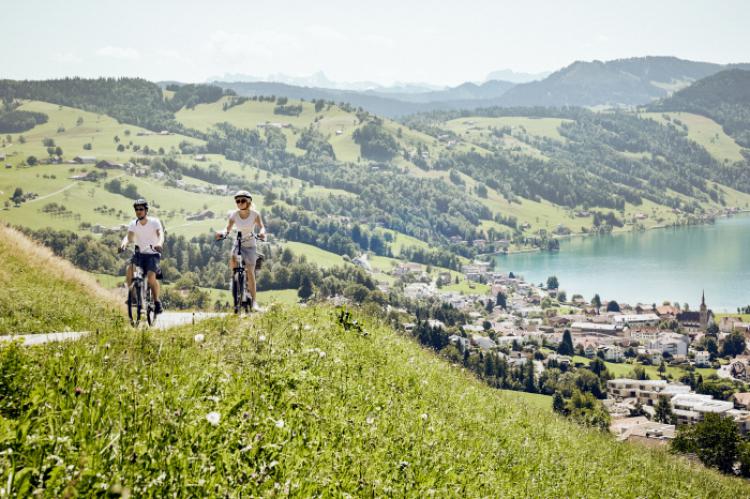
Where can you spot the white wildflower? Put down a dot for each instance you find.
(262, 338)
(424, 416)
(199, 338)
(213, 418)
(370, 419)
(280, 423)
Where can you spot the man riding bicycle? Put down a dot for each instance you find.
(246, 219)
(147, 233)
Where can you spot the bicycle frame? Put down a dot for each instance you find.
(141, 291)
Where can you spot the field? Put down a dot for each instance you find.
(296, 400)
(705, 132)
(42, 293)
(623, 369)
(473, 126)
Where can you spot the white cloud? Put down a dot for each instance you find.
(175, 55)
(67, 58)
(238, 47)
(325, 33)
(379, 41)
(124, 53)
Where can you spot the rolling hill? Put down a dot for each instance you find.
(304, 400)
(723, 97)
(43, 293)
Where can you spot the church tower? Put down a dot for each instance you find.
(704, 312)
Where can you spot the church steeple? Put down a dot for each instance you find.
(704, 312)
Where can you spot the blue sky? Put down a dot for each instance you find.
(384, 41)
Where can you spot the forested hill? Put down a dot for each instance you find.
(723, 97)
(623, 81)
(130, 100)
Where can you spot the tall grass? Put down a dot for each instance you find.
(40, 292)
(291, 403)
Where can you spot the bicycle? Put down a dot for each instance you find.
(140, 297)
(239, 279)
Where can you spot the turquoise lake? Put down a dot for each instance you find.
(674, 264)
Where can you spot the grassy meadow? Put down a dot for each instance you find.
(43, 293)
(297, 403)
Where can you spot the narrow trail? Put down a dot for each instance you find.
(164, 321)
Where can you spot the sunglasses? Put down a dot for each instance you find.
(140, 209)
(240, 201)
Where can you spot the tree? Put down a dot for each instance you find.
(552, 282)
(638, 373)
(711, 346)
(597, 366)
(17, 196)
(662, 368)
(663, 411)
(613, 306)
(558, 404)
(562, 297)
(486, 325)
(733, 345)
(596, 302)
(566, 345)
(585, 409)
(501, 300)
(305, 290)
(715, 441)
(31, 160)
(712, 329)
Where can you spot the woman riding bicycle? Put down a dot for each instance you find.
(245, 219)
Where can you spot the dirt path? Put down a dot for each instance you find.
(164, 321)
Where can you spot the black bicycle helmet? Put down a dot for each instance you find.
(140, 202)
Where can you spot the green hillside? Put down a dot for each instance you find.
(43, 293)
(296, 402)
(704, 131)
(723, 97)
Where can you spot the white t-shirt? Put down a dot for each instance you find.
(146, 235)
(245, 225)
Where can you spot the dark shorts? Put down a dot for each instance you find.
(148, 262)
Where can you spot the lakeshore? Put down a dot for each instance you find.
(649, 266)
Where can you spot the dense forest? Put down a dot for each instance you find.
(129, 100)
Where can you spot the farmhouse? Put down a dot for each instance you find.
(85, 160)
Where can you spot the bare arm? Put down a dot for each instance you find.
(128, 239)
(259, 223)
(222, 234)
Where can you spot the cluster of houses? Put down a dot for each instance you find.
(626, 396)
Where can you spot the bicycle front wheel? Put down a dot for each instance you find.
(150, 307)
(238, 292)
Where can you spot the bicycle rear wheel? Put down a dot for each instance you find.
(135, 304)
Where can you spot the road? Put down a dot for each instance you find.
(164, 321)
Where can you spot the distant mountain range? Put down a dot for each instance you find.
(621, 82)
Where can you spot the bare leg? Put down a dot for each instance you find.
(251, 283)
(129, 275)
(153, 283)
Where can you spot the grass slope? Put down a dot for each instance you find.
(305, 408)
(705, 132)
(43, 293)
